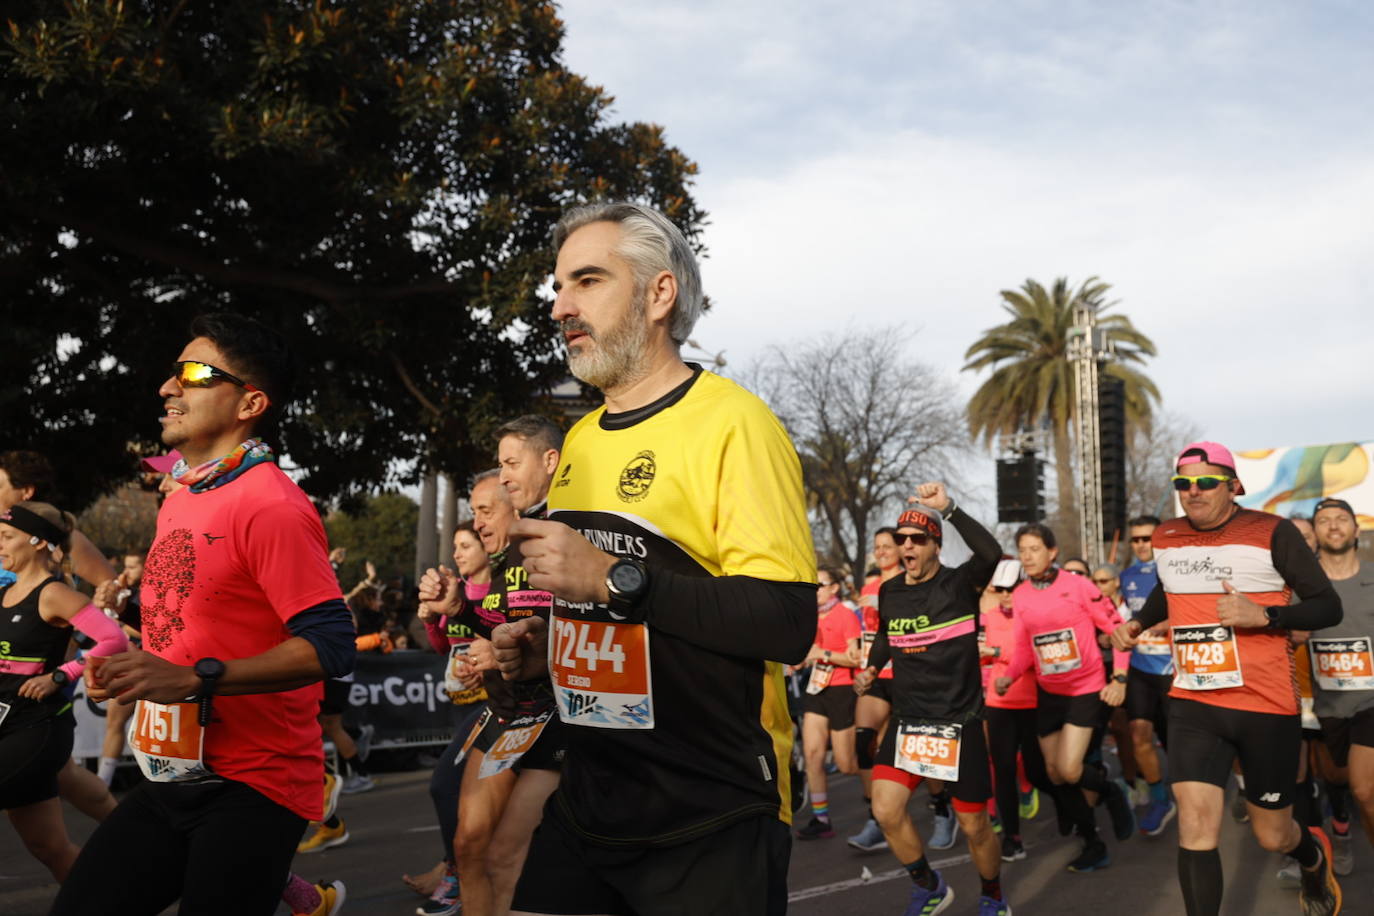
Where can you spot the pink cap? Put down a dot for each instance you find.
(1210, 453)
(161, 464)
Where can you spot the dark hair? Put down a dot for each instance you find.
(1038, 529)
(1144, 520)
(540, 432)
(467, 525)
(29, 469)
(887, 530)
(1079, 560)
(256, 353)
(872, 571)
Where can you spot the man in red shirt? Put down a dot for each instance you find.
(242, 618)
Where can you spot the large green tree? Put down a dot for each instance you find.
(376, 178)
(1032, 380)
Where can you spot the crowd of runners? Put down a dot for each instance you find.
(633, 650)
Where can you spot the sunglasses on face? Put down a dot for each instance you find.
(192, 374)
(1102, 581)
(1074, 572)
(1000, 589)
(1183, 483)
(920, 540)
(1145, 539)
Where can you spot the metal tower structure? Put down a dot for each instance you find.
(1088, 347)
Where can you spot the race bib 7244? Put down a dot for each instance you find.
(600, 673)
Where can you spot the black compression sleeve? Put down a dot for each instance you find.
(1319, 605)
(1156, 609)
(881, 652)
(734, 615)
(978, 569)
(328, 627)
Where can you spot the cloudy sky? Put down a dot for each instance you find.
(874, 163)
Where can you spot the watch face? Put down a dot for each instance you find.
(627, 578)
(209, 667)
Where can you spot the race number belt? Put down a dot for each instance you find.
(458, 692)
(600, 673)
(821, 673)
(519, 737)
(929, 749)
(168, 741)
(1057, 651)
(1152, 643)
(1205, 657)
(1343, 664)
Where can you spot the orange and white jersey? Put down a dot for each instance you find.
(1264, 558)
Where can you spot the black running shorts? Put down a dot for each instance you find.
(1147, 695)
(1339, 734)
(1205, 739)
(31, 758)
(1053, 711)
(835, 703)
(741, 868)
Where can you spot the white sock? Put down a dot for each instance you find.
(106, 770)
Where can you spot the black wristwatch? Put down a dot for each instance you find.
(1119, 678)
(1272, 613)
(209, 670)
(627, 581)
(60, 677)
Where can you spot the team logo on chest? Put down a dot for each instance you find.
(637, 477)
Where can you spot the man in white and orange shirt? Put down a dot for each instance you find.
(1227, 576)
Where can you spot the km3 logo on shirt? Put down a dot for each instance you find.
(1203, 566)
(637, 477)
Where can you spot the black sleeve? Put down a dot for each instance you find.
(977, 570)
(1155, 610)
(1319, 605)
(881, 653)
(734, 615)
(328, 627)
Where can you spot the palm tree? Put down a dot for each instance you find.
(1032, 381)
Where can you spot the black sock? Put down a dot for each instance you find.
(1340, 801)
(333, 822)
(1302, 804)
(868, 806)
(1307, 852)
(992, 887)
(922, 874)
(1094, 779)
(1062, 813)
(1080, 813)
(1199, 875)
(940, 803)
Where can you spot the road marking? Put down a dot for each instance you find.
(423, 829)
(824, 890)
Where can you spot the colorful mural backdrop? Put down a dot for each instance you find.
(1286, 481)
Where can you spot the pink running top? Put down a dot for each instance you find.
(1055, 635)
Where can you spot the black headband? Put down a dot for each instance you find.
(32, 523)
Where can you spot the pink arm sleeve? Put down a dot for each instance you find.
(438, 637)
(109, 638)
(73, 668)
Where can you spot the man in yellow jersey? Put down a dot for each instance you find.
(681, 562)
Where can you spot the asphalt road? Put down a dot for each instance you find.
(392, 831)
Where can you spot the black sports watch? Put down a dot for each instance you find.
(627, 581)
(209, 670)
(60, 677)
(1119, 678)
(1272, 613)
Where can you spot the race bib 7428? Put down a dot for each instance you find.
(1205, 657)
(600, 673)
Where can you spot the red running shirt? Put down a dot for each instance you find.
(1000, 633)
(228, 568)
(868, 600)
(834, 629)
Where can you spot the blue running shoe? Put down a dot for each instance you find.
(929, 902)
(869, 839)
(1156, 816)
(1093, 858)
(989, 907)
(946, 829)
